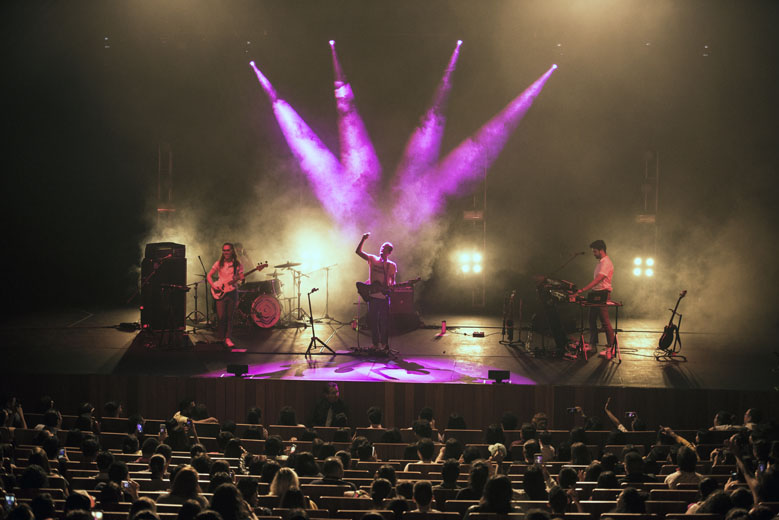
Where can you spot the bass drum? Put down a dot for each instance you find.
(265, 311)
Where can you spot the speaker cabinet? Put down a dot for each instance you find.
(163, 297)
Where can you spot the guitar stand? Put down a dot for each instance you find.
(672, 353)
(314, 340)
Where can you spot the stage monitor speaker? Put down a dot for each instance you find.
(164, 297)
(238, 370)
(499, 376)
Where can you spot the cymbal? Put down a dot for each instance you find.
(287, 265)
(274, 274)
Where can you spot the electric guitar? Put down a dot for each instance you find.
(366, 289)
(222, 287)
(671, 329)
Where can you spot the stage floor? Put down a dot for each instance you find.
(82, 342)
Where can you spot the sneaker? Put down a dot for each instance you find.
(229, 343)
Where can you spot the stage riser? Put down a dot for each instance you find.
(480, 405)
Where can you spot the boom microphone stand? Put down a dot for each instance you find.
(314, 339)
(205, 279)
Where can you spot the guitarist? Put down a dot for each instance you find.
(228, 267)
(601, 291)
(381, 273)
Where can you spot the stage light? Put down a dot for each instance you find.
(332, 42)
(637, 271)
(650, 261)
(466, 268)
(554, 66)
(649, 272)
(465, 258)
(637, 261)
(477, 257)
(459, 42)
(251, 63)
(477, 268)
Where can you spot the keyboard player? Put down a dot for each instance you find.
(600, 288)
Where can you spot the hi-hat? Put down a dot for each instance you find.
(287, 265)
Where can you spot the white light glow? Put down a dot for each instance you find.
(477, 257)
(637, 271)
(637, 261)
(650, 261)
(465, 258)
(477, 268)
(649, 272)
(466, 268)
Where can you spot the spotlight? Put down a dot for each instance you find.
(637, 271)
(465, 258)
(649, 272)
(466, 268)
(459, 42)
(251, 63)
(477, 268)
(477, 257)
(332, 42)
(637, 261)
(650, 261)
(554, 66)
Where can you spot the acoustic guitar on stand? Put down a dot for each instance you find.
(222, 287)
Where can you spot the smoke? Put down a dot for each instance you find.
(278, 221)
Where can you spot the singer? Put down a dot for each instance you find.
(228, 267)
(601, 291)
(381, 276)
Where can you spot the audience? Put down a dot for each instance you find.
(753, 449)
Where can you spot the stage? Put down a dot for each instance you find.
(83, 342)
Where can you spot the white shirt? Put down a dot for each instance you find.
(604, 267)
(226, 273)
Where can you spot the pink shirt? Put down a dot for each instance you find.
(604, 267)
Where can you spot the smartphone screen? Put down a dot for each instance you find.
(62, 452)
(162, 428)
(10, 501)
(139, 427)
(539, 458)
(97, 515)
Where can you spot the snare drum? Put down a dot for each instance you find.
(265, 311)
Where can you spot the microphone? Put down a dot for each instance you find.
(315, 289)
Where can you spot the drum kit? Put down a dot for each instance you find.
(260, 303)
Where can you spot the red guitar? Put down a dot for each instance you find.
(222, 287)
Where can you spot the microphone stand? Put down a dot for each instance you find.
(205, 279)
(566, 263)
(314, 339)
